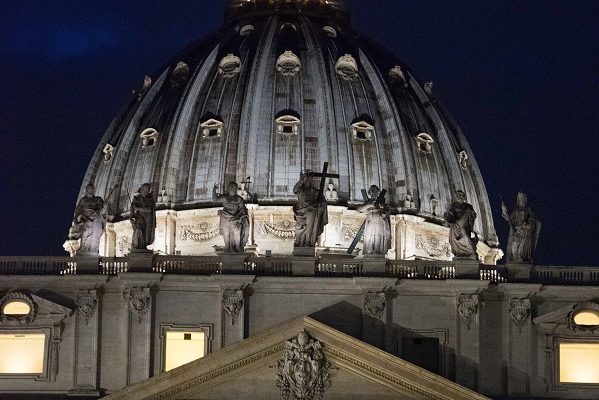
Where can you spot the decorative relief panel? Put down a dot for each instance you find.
(468, 307)
(232, 302)
(433, 246)
(137, 299)
(519, 310)
(86, 301)
(303, 373)
(284, 229)
(374, 304)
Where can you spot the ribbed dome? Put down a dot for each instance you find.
(281, 88)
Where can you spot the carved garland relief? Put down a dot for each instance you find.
(468, 307)
(86, 301)
(374, 304)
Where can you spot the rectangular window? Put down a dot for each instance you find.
(182, 347)
(578, 362)
(22, 353)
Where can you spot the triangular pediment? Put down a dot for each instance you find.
(249, 369)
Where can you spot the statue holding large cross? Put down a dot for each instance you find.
(310, 212)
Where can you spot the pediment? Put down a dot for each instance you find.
(258, 367)
(558, 316)
(41, 310)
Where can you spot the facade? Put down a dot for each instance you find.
(285, 87)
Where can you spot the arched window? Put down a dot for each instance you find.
(229, 66)
(288, 64)
(287, 125)
(148, 137)
(425, 143)
(347, 67)
(330, 31)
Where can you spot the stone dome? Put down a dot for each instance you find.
(285, 86)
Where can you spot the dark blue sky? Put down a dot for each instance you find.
(520, 77)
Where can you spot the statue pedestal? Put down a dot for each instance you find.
(303, 261)
(518, 271)
(466, 268)
(252, 249)
(232, 263)
(88, 264)
(140, 260)
(374, 264)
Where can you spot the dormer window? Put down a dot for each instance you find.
(180, 73)
(229, 66)
(330, 31)
(108, 152)
(246, 30)
(212, 128)
(148, 137)
(347, 67)
(287, 125)
(424, 142)
(288, 64)
(363, 128)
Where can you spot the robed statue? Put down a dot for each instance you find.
(377, 227)
(234, 220)
(524, 230)
(89, 221)
(461, 217)
(310, 212)
(143, 218)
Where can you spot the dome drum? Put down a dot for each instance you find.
(236, 110)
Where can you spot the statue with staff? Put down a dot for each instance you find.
(143, 218)
(310, 212)
(524, 230)
(461, 216)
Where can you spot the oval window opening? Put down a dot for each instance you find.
(587, 318)
(16, 308)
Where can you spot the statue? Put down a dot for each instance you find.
(90, 221)
(524, 230)
(143, 218)
(461, 216)
(377, 228)
(310, 212)
(234, 220)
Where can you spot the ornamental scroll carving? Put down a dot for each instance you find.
(468, 307)
(232, 303)
(86, 302)
(374, 304)
(137, 299)
(303, 373)
(284, 229)
(519, 310)
(433, 246)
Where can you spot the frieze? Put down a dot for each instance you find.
(374, 304)
(284, 229)
(433, 246)
(350, 232)
(468, 307)
(303, 373)
(86, 302)
(124, 244)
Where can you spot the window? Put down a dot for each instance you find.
(288, 64)
(578, 362)
(425, 143)
(363, 130)
(108, 152)
(184, 344)
(148, 137)
(347, 67)
(180, 73)
(330, 31)
(16, 308)
(287, 125)
(229, 66)
(246, 30)
(211, 128)
(22, 353)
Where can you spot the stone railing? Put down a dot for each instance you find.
(323, 267)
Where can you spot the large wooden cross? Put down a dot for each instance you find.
(379, 200)
(323, 178)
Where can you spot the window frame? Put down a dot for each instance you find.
(47, 332)
(164, 328)
(557, 340)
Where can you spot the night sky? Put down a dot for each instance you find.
(520, 77)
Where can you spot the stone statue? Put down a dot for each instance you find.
(461, 217)
(377, 227)
(89, 221)
(234, 220)
(524, 230)
(143, 218)
(310, 212)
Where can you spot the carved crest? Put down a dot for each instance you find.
(232, 303)
(433, 246)
(86, 301)
(374, 304)
(19, 297)
(138, 300)
(519, 310)
(586, 307)
(468, 307)
(303, 373)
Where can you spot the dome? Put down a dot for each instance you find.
(282, 87)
